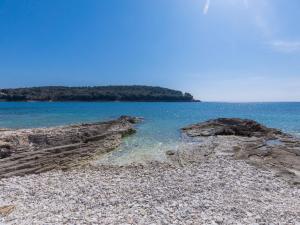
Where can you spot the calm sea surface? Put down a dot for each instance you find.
(160, 130)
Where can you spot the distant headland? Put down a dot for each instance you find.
(133, 93)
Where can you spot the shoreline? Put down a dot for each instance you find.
(26, 151)
(217, 190)
(209, 180)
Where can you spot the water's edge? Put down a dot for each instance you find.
(160, 130)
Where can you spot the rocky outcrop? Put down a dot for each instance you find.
(230, 126)
(27, 151)
(245, 140)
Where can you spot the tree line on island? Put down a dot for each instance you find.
(98, 93)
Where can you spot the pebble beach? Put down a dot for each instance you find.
(218, 190)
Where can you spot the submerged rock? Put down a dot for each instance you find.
(38, 150)
(132, 119)
(246, 140)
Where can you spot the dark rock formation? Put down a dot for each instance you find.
(229, 126)
(5, 153)
(4, 150)
(39, 150)
(246, 140)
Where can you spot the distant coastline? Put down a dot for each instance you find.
(133, 93)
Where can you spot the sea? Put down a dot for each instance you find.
(160, 129)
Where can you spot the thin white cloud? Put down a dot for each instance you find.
(264, 18)
(246, 3)
(206, 7)
(286, 46)
(263, 25)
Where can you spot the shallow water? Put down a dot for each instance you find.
(274, 142)
(159, 131)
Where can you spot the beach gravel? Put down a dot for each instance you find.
(217, 190)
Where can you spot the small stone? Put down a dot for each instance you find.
(6, 210)
(4, 153)
(170, 152)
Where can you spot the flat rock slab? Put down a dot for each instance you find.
(247, 140)
(26, 151)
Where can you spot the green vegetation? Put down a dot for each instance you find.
(99, 93)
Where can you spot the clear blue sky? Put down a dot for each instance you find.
(219, 50)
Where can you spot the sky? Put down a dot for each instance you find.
(218, 50)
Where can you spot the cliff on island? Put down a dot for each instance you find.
(98, 93)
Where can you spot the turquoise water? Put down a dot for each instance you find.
(160, 129)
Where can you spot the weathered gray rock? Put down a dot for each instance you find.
(132, 119)
(38, 150)
(246, 140)
(4, 153)
(230, 126)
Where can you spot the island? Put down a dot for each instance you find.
(132, 93)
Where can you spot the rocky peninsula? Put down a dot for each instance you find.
(227, 171)
(27, 151)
